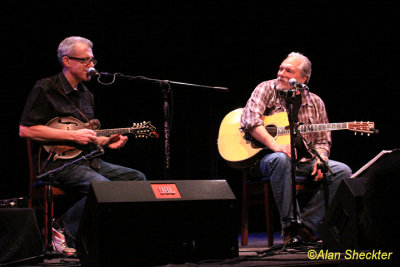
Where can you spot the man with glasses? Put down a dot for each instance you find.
(65, 95)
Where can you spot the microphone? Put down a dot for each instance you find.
(297, 84)
(221, 88)
(93, 72)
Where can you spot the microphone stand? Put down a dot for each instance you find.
(290, 96)
(167, 94)
(293, 130)
(323, 166)
(294, 225)
(289, 99)
(48, 179)
(166, 91)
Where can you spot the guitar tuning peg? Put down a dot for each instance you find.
(368, 134)
(362, 134)
(355, 133)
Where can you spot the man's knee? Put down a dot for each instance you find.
(343, 170)
(140, 176)
(280, 159)
(275, 165)
(133, 175)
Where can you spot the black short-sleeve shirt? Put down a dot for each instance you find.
(47, 100)
(54, 97)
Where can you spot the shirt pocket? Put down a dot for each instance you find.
(88, 110)
(68, 109)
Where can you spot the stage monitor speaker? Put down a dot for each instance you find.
(20, 238)
(361, 214)
(158, 222)
(339, 230)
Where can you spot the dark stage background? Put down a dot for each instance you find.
(218, 43)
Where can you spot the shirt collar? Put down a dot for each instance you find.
(66, 86)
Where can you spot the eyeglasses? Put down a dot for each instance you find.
(85, 60)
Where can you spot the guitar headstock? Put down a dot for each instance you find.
(144, 130)
(362, 127)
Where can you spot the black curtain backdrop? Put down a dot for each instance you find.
(353, 49)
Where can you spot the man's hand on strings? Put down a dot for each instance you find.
(117, 141)
(83, 136)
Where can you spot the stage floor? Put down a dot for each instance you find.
(254, 254)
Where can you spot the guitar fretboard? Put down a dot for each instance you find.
(108, 132)
(316, 128)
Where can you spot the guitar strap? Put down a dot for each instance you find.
(93, 124)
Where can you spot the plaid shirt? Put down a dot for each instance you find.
(266, 101)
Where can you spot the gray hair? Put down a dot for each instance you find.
(67, 45)
(305, 66)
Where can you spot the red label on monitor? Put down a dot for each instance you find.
(165, 191)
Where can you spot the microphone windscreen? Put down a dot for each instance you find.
(292, 81)
(93, 72)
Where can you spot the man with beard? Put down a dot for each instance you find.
(268, 98)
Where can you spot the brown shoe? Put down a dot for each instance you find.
(306, 234)
(287, 234)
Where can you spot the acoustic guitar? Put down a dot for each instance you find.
(240, 150)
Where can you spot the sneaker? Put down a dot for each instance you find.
(60, 244)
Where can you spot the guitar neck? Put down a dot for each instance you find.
(316, 128)
(108, 132)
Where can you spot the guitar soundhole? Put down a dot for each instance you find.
(67, 122)
(254, 143)
(272, 130)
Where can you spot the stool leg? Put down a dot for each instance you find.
(245, 219)
(48, 216)
(268, 214)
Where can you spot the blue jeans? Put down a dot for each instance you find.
(76, 178)
(276, 168)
